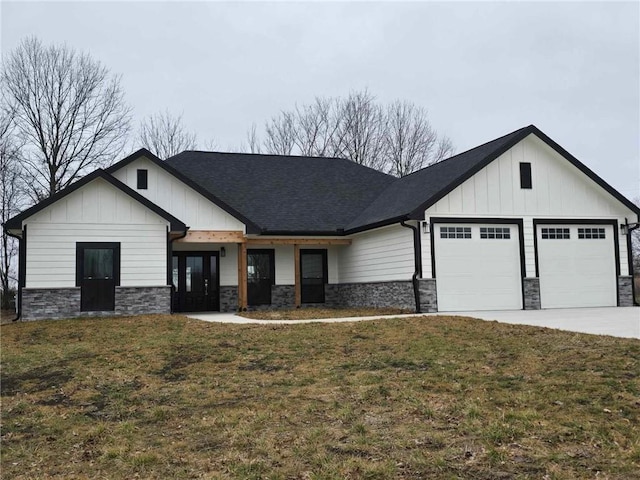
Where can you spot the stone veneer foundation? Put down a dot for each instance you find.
(375, 294)
(531, 293)
(625, 291)
(57, 303)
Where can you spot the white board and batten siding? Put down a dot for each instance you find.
(559, 190)
(97, 212)
(177, 198)
(380, 255)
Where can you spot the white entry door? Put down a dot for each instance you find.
(477, 267)
(576, 265)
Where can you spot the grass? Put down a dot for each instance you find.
(437, 397)
(317, 312)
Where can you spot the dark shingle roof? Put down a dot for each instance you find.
(285, 194)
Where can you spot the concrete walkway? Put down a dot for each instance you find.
(615, 321)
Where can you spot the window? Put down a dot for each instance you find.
(142, 179)
(555, 234)
(495, 232)
(591, 233)
(525, 175)
(261, 275)
(455, 232)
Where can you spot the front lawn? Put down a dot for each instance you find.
(429, 397)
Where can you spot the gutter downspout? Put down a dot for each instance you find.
(417, 258)
(170, 264)
(630, 258)
(22, 250)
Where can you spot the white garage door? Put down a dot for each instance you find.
(576, 264)
(477, 267)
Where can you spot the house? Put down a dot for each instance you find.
(515, 223)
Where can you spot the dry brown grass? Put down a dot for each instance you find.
(429, 397)
(315, 312)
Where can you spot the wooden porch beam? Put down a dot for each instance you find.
(298, 241)
(213, 236)
(242, 276)
(296, 268)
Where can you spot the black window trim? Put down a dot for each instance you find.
(526, 182)
(142, 179)
(325, 265)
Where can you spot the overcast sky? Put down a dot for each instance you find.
(482, 69)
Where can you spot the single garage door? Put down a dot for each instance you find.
(576, 265)
(477, 267)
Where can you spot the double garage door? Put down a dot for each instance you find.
(479, 266)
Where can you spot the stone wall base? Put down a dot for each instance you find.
(625, 291)
(228, 299)
(428, 295)
(58, 303)
(531, 293)
(375, 294)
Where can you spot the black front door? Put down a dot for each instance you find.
(260, 276)
(313, 273)
(196, 282)
(97, 274)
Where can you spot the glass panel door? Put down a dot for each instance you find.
(313, 273)
(196, 281)
(98, 272)
(260, 276)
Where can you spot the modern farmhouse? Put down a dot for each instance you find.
(515, 223)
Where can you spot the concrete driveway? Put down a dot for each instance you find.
(615, 321)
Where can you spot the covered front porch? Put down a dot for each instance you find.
(228, 271)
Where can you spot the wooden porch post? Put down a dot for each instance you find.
(296, 263)
(242, 276)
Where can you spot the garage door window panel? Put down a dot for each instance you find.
(591, 233)
(556, 234)
(455, 232)
(497, 233)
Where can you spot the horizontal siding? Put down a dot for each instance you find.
(51, 258)
(380, 255)
(177, 198)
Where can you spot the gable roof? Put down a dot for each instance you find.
(208, 194)
(408, 197)
(286, 194)
(15, 223)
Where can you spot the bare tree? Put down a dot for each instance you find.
(165, 135)
(253, 140)
(362, 130)
(11, 188)
(317, 128)
(69, 112)
(397, 139)
(410, 140)
(280, 134)
(635, 245)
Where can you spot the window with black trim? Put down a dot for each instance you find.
(556, 234)
(455, 232)
(495, 232)
(591, 233)
(143, 175)
(525, 175)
